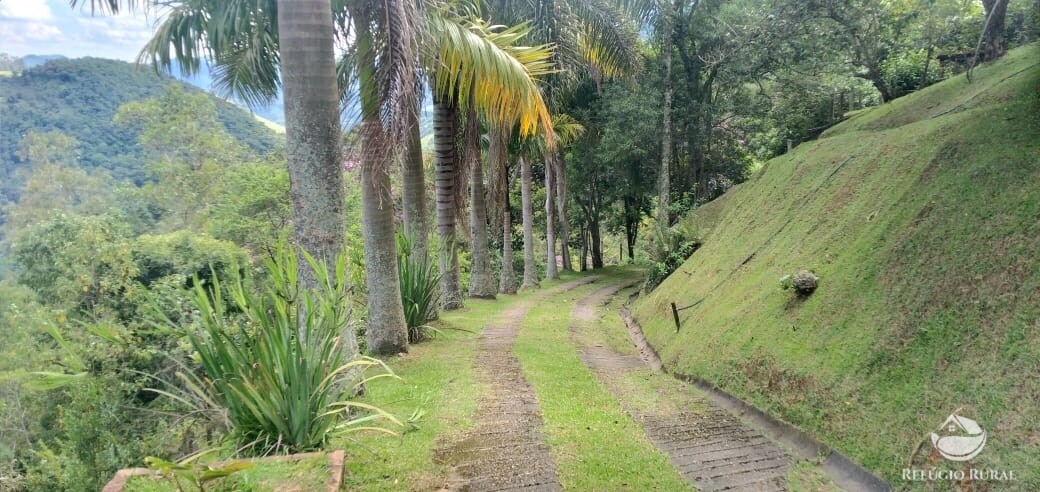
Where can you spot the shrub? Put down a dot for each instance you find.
(669, 252)
(281, 369)
(420, 289)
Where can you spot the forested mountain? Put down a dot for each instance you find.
(80, 98)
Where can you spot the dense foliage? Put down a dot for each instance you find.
(102, 284)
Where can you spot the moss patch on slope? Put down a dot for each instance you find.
(922, 219)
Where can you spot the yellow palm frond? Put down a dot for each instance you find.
(474, 58)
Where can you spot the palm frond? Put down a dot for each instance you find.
(398, 65)
(238, 37)
(487, 61)
(645, 12)
(567, 129)
(606, 39)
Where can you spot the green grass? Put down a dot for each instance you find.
(596, 445)
(927, 242)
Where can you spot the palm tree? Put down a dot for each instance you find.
(312, 128)
(498, 198)
(250, 61)
(481, 280)
(483, 67)
(550, 222)
(383, 31)
(565, 131)
(445, 157)
(413, 184)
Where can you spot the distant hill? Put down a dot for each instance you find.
(921, 218)
(79, 97)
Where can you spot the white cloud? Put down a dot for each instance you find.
(119, 29)
(36, 10)
(34, 31)
(23, 32)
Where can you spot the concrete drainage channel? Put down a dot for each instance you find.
(843, 471)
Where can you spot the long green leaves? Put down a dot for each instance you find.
(420, 289)
(278, 361)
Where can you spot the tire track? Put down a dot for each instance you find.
(711, 448)
(506, 449)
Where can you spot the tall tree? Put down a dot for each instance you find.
(592, 39)
(498, 201)
(312, 131)
(527, 209)
(663, 175)
(445, 122)
(413, 192)
(561, 209)
(384, 33)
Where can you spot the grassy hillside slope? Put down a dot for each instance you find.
(922, 219)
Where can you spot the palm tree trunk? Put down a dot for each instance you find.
(530, 269)
(481, 279)
(550, 226)
(498, 197)
(387, 332)
(312, 129)
(561, 209)
(413, 196)
(507, 282)
(445, 155)
(312, 136)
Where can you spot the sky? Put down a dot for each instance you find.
(51, 27)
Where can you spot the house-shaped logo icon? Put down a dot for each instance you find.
(959, 438)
